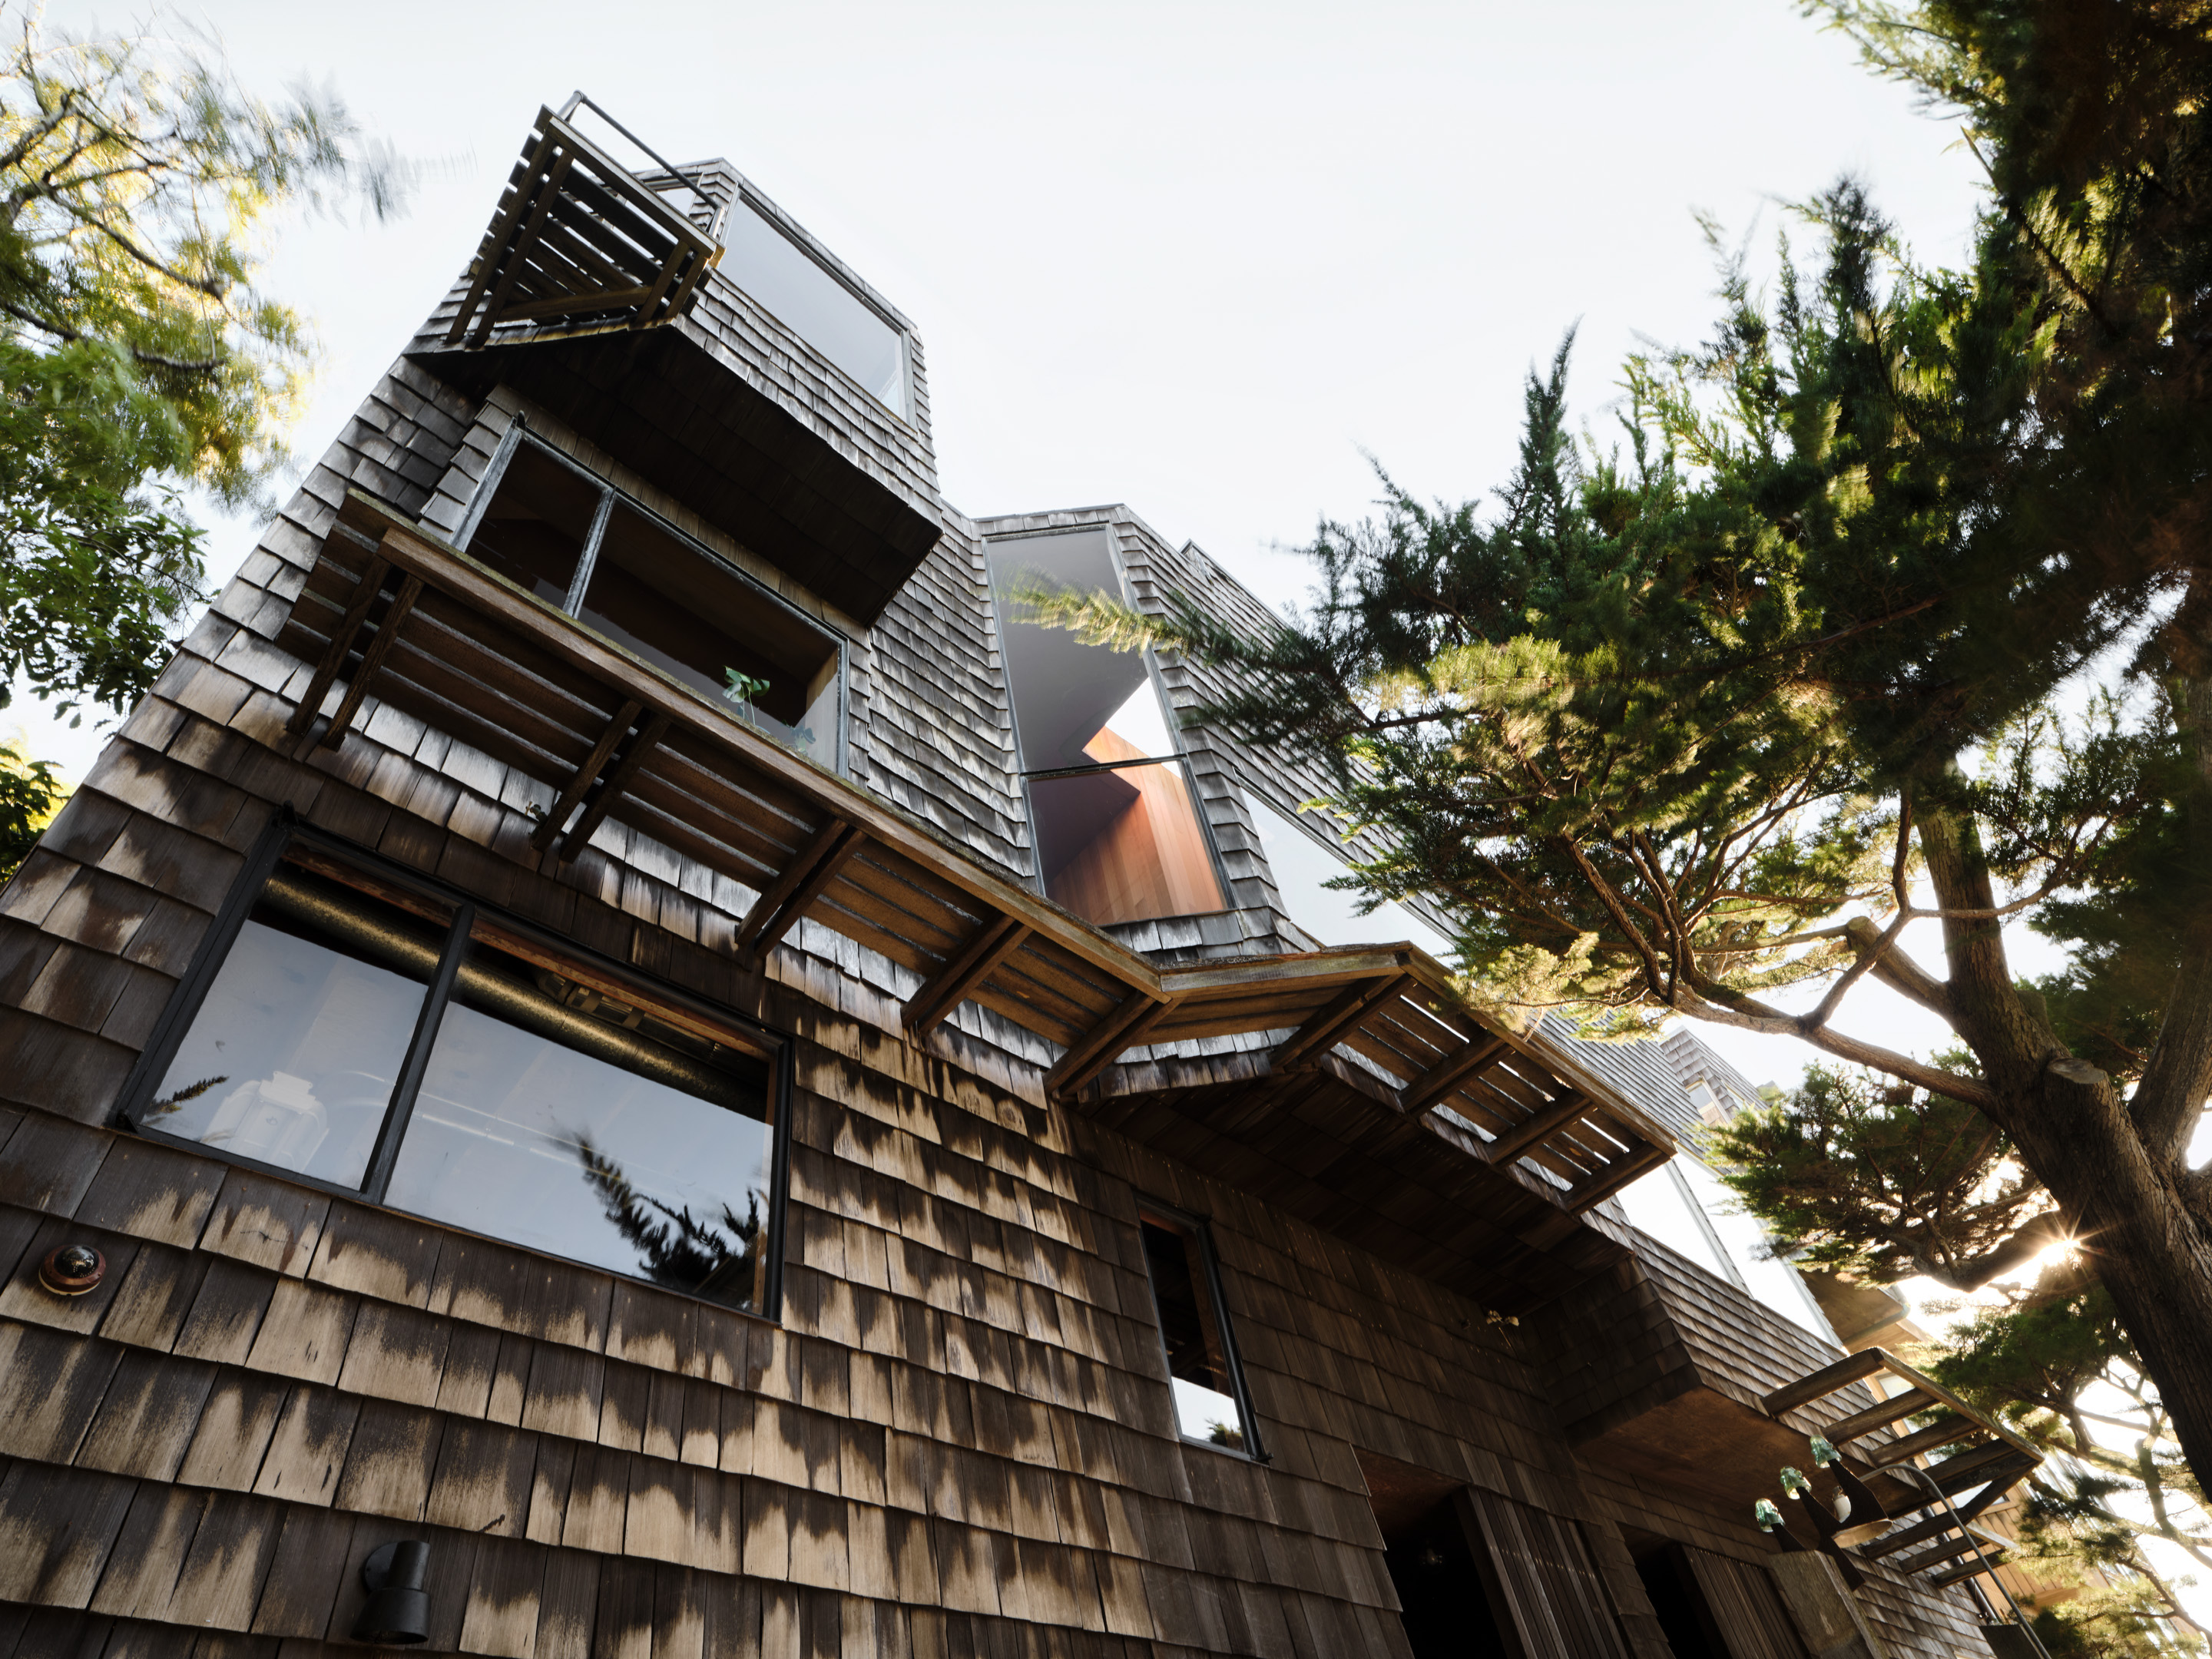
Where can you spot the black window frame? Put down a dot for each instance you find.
(1170, 716)
(1198, 1230)
(518, 433)
(774, 1050)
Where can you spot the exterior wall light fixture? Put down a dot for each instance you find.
(398, 1610)
(72, 1270)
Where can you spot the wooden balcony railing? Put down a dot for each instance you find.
(1978, 1460)
(579, 243)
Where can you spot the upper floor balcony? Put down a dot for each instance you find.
(675, 318)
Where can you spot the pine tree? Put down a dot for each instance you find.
(1672, 726)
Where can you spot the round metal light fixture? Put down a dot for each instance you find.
(72, 1270)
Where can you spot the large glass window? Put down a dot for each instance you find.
(1303, 868)
(1118, 835)
(580, 545)
(805, 298)
(368, 1036)
(1209, 1401)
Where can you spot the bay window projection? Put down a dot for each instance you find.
(1211, 1403)
(384, 1039)
(583, 547)
(1116, 822)
(810, 300)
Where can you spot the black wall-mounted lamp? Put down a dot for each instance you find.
(398, 1610)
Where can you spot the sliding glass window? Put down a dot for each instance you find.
(370, 1035)
(1111, 806)
(583, 547)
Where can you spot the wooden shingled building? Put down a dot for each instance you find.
(623, 1060)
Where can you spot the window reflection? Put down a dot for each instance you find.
(534, 530)
(526, 1097)
(1190, 1326)
(564, 1118)
(292, 1055)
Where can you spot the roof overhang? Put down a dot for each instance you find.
(1473, 1148)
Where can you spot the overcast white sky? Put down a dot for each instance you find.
(1197, 257)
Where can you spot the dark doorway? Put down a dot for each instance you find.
(1441, 1590)
(1677, 1600)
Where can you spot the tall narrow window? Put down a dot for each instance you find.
(581, 546)
(374, 1036)
(1209, 1401)
(1118, 835)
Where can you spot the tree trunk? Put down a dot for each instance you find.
(2141, 1234)
(2131, 1204)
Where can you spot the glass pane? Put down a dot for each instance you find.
(1074, 704)
(1302, 869)
(560, 1117)
(814, 305)
(1658, 1204)
(291, 1059)
(1123, 845)
(533, 532)
(700, 624)
(1771, 1281)
(1198, 1365)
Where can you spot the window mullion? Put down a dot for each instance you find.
(386, 1154)
(581, 582)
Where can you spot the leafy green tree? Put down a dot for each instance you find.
(1677, 727)
(138, 355)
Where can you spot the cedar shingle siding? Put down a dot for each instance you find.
(958, 1438)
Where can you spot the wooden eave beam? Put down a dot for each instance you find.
(372, 660)
(1852, 1368)
(1956, 1474)
(1448, 1075)
(1951, 1550)
(1990, 1561)
(1333, 1020)
(1877, 1417)
(799, 884)
(516, 251)
(968, 968)
(625, 717)
(1120, 1031)
(1601, 1184)
(1927, 1440)
(1538, 1126)
(608, 790)
(341, 646)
